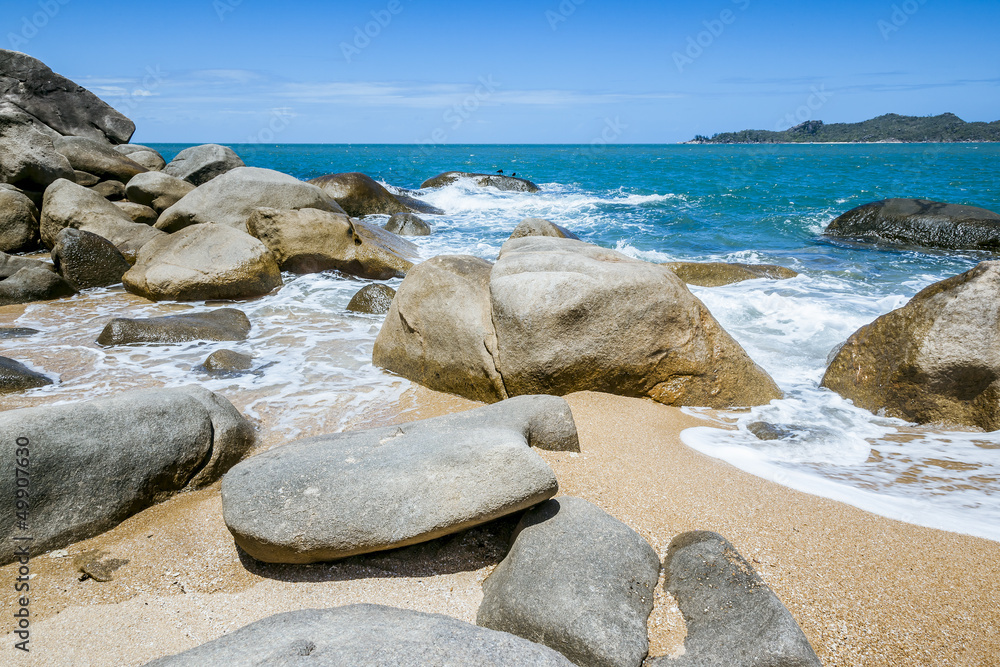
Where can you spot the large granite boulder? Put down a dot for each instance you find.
(27, 157)
(220, 324)
(577, 580)
(157, 190)
(365, 634)
(932, 361)
(110, 190)
(505, 183)
(137, 212)
(143, 155)
(920, 222)
(407, 224)
(200, 164)
(68, 205)
(335, 496)
(15, 376)
(94, 464)
(541, 227)
(57, 102)
(359, 195)
(25, 280)
(733, 618)
(206, 261)
(375, 299)
(230, 198)
(310, 241)
(87, 260)
(18, 221)
(554, 316)
(717, 274)
(97, 158)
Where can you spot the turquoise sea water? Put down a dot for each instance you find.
(758, 204)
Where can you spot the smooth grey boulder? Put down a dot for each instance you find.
(17, 332)
(232, 197)
(577, 580)
(157, 190)
(67, 204)
(365, 634)
(200, 164)
(359, 195)
(920, 222)
(25, 280)
(505, 183)
(143, 215)
(27, 157)
(111, 190)
(716, 274)
(58, 103)
(373, 299)
(541, 227)
(94, 463)
(15, 376)
(335, 496)
(407, 224)
(143, 155)
(97, 158)
(87, 260)
(18, 222)
(228, 361)
(733, 618)
(220, 324)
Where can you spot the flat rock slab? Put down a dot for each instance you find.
(577, 580)
(335, 496)
(221, 324)
(17, 332)
(365, 634)
(15, 376)
(717, 274)
(732, 617)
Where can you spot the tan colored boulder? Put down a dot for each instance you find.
(935, 360)
(541, 227)
(310, 241)
(157, 190)
(27, 157)
(202, 262)
(359, 195)
(97, 158)
(18, 221)
(137, 212)
(143, 155)
(717, 274)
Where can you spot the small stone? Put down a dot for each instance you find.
(228, 361)
(373, 299)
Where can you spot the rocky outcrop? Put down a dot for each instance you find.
(15, 376)
(541, 227)
(230, 198)
(25, 280)
(733, 618)
(577, 580)
(87, 260)
(407, 224)
(157, 190)
(310, 241)
(143, 155)
(220, 324)
(920, 222)
(365, 634)
(359, 195)
(932, 361)
(18, 222)
(94, 464)
(27, 157)
(505, 183)
(200, 164)
(373, 299)
(339, 495)
(206, 261)
(554, 316)
(57, 103)
(97, 158)
(717, 274)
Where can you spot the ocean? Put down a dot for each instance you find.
(756, 204)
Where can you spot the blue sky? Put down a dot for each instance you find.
(555, 71)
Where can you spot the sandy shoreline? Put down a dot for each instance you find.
(866, 590)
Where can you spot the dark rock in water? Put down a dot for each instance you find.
(221, 324)
(411, 200)
(372, 299)
(157, 190)
(88, 260)
(365, 634)
(577, 580)
(732, 617)
(920, 222)
(57, 102)
(17, 332)
(85, 179)
(143, 155)
(932, 361)
(122, 454)
(716, 274)
(200, 164)
(18, 222)
(97, 158)
(25, 280)
(27, 157)
(335, 496)
(407, 224)
(15, 376)
(766, 431)
(228, 361)
(11, 264)
(505, 183)
(359, 195)
(110, 190)
(541, 227)
(144, 215)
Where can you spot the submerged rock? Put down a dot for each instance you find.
(716, 274)
(359, 195)
(220, 324)
(200, 164)
(541, 227)
(228, 361)
(15, 376)
(17, 332)
(407, 224)
(87, 260)
(372, 299)
(505, 183)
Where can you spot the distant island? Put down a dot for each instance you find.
(890, 128)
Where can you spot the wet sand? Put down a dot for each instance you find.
(866, 590)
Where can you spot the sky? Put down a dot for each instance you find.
(550, 71)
